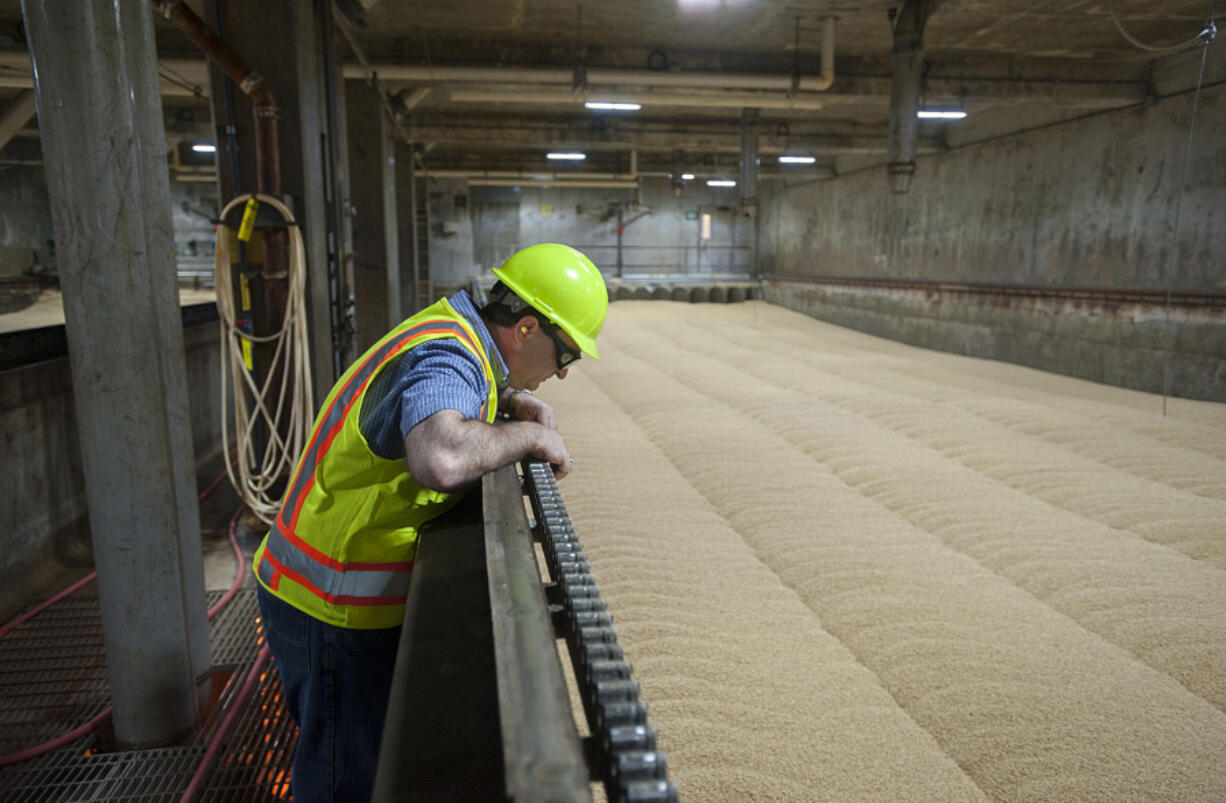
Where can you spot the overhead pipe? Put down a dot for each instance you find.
(526, 175)
(250, 82)
(507, 182)
(907, 59)
(611, 76)
(264, 110)
(190, 71)
(741, 100)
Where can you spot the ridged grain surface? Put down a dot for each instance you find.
(845, 568)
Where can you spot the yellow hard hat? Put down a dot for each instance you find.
(562, 284)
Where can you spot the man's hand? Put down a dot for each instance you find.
(552, 449)
(527, 407)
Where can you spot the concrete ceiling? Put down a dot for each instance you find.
(1010, 63)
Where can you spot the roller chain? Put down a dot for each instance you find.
(622, 747)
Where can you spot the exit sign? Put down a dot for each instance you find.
(691, 214)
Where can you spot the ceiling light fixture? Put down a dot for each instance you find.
(204, 147)
(797, 160)
(720, 182)
(940, 114)
(687, 176)
(610, 106)
(566, 156)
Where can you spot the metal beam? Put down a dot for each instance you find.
(1082, 86)
(517, 134)
(15, 117)
(97, 72)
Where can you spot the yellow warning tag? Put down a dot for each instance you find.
(248, 224)
(245, 295)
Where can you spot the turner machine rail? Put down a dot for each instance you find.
(479, 708)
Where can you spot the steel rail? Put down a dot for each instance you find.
(479, 707)
(621, 749)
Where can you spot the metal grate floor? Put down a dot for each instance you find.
(53, 675)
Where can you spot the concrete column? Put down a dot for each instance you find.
(391, 222)
(748, 184)
(907, 60)
(406, 219)
(372, 190)
(282, 41)
(96, 64)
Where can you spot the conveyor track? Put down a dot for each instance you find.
(621, 749)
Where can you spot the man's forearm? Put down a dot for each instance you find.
(447, 452)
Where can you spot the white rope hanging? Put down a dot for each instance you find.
(259, 474)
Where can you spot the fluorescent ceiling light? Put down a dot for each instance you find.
(797, 160)
(605, 105)
(720, 182)
(940, 114)
(687, 176)
(204, 147)
(572, 156)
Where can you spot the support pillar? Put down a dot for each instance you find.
(372, 188)
(406, 195)
(282, 41)
(97, 72)
(907, 60)
(748, 184)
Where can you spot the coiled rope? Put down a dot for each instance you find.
(259, 475)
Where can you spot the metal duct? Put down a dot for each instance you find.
(907, 59)
(743, 100)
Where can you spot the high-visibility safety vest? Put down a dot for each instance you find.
(342, 547)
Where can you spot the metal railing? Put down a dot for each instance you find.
(479, 708)
(631, 259)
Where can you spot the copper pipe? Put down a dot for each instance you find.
(250, 82)
(267, 157)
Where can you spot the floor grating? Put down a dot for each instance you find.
(53, 675)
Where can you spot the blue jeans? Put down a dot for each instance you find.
(337, 681)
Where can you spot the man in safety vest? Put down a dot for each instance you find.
(408, 427)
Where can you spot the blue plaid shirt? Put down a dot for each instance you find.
(437, 375)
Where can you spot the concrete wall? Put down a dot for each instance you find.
(25, 219)
(1090, 203)
(485, 225)
(451, 237)
(43, 523)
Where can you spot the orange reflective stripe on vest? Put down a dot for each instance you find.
(350, 584)
(330, 424)
(287, 554)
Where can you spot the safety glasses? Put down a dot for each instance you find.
(566, 356)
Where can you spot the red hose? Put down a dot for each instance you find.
(210, 755)
(238, 575)
(45, 604)
(67, 738)
(22, 618)
(77, 733)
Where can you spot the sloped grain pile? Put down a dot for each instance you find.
(846, 568)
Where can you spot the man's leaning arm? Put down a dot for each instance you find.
(446, 451)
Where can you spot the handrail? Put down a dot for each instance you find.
(542, 754)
